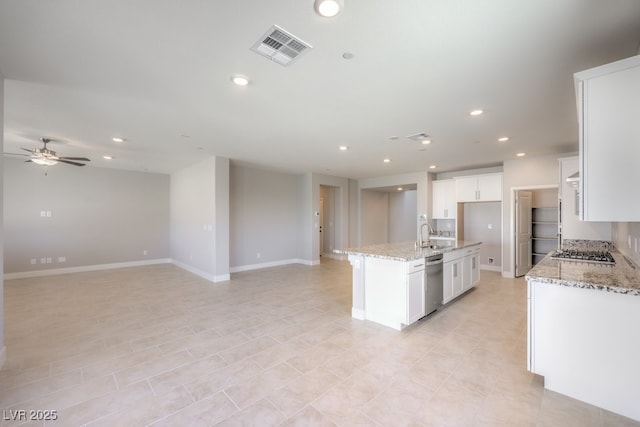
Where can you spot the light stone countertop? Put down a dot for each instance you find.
(406, 251)
(622, 278)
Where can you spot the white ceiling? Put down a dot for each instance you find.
(157, 72)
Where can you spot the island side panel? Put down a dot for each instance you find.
(358, 310)
(586, 344)
(386, 291)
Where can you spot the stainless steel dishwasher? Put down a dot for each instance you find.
(433, 283)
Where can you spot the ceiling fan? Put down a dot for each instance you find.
(44, 156)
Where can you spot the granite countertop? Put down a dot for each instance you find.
(622, 278)
(406, 251)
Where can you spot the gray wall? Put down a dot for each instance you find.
(221, 220)
(98, 216)
(375, 217)
(402, 216)
(193, 206)
(2, 349)
(477, 218)
(264, 211)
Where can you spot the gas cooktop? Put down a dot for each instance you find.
(601, 257)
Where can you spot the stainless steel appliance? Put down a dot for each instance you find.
(587, 255)
(433, 283)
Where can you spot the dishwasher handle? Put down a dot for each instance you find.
(433, 260)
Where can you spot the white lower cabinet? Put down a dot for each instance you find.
(394, 291)
(461, 272)
(415, 291)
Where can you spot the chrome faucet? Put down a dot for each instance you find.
(420, 240)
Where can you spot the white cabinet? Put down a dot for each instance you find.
(461, 272)
(572, 227)
(584, 342)
(394, 293)
(609, 131)
(479, 188)
(415, 291)
(444, 199)
(470, 268)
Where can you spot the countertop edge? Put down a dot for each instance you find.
(408, 247)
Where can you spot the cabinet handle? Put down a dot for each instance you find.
(455, 270)
(446, 212)
(473, 263)
(418, 265)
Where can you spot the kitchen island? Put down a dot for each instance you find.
(582, 331)
(389, 279)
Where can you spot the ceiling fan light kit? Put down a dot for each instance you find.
(45, 157)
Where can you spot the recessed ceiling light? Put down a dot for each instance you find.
(387, 160)
(343, 148)
(521, 154)
(116, 139)
(503, 139)
(348, 55)
(426, 141)
(399, 188)
(107, 157)
(476, 112)
(327, 8)
(432, 167)
(240, 80)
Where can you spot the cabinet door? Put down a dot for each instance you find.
(466, 273)
(447, 282)
(609, 148)
(490, 187)
(415, 296)
(444, 199)
(458, 285)
(467, 188)
(475, 268)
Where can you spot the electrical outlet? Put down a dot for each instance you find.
(490, 260)
(49, 260)
(629, 240)
(34, 261)
(62, 259)
(490, 226)
(43, 260)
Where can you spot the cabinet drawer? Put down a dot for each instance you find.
(450, 256)
(415, 265)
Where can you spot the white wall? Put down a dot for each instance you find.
(403, 206)
(98, 216)
(626, 235)
(264, 211)
(193, 210)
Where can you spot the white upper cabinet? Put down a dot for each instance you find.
(609, 130)
(479, 188)
(444, 199)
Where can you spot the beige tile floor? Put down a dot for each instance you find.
(159, 346)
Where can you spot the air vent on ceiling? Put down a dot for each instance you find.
(418, 136)
(280, 46)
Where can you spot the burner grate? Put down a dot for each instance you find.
(602, 257)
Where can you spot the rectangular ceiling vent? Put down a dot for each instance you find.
(280, 46)
(418, 136)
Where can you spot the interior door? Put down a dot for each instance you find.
(320, 225)
(523, 233)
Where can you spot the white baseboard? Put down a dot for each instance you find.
(260, 265)
(3, 356)
(359, 314)
(196, 271)
(491, 267)
(84, 268)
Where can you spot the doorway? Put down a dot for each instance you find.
(327, 221)
(536, 213)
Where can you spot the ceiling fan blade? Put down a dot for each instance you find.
(69, 162)
(84, 159)
(26, 149)
(16, 154)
